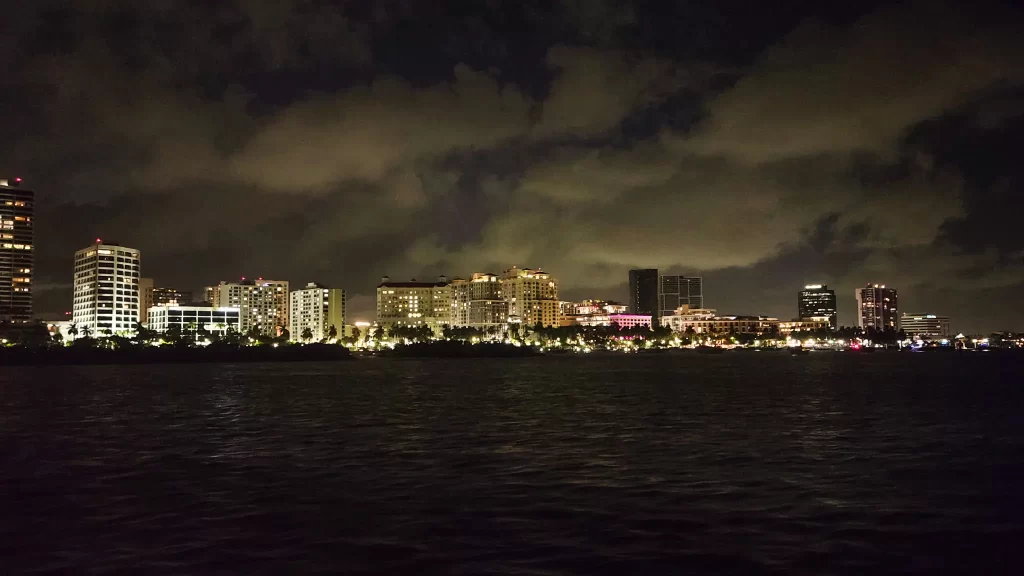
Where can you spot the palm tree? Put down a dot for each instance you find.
(73, 330)
(332, 333)
(85, 331)
(307, 334)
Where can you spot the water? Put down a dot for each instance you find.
(742, 463)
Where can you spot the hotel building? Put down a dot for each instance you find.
(106, 288)
(317, 308)
(531, 295)
(16, 251)
(414, 303)
(478, 303)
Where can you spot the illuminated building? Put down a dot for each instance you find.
(925, 325)
(620, 320)
(676, 291)
(194, 319)
(877, 307)
(16, 251)
(106, 289)
(156, 296)
(531, 295)
(414, 303)
(317, 308)
(643, 292)
(589, 312)
(707, 321)
(262, 304)
(805, 325)
(816, 301)
(477, 303)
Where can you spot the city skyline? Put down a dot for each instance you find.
(761, 149)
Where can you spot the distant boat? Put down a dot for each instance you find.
(710, 350)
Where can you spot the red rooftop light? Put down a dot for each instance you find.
(98, 241)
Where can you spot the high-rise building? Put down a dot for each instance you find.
(677, 291)
(817, 301)
(925, 325)
(414, 303)
(531, 295)
(262, 304)
(16, 251)
(317, 308)
(877, 307)
(643, 292)
(146, 298)
(478, 303)
(106, 288)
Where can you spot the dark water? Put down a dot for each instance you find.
(736, 464)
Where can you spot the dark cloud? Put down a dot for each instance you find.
(339, 141)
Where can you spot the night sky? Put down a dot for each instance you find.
(762, 145)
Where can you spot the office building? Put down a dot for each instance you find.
(146, 298)
(156, 296)
(531, 295)
(414, 303)
(262, 304)
(677, 291)
(478, 303)
(203, 321)
(106, 289)
(17, 240)
(925, 325)
(877, 307)
(316, 308)
(817, 301)
(643, 292)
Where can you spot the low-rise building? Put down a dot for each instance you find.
(620, 320)
(708, 321)
(194, 319)
(805, 325)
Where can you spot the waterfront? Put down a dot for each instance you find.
(667, 463)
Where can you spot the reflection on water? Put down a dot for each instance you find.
(745, 463)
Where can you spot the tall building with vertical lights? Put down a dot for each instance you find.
(317, 308)
(478, 303)
(877, 307)
(16, 251)
(262, 304)
(531, 296)
(106, 288)
(678, 291)
(643, 292)
(817, 301)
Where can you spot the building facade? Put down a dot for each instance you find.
(106, 289)
(531, 296)
(805, 325)
(17, 240)
(707, 321)
(925, 325)
(194, 319)
(620, 320)
(478, 303)
(677, 291)
(643, 291)
(817, 301)
(877, 307)
(262, 304)
(316, 308)
(414, 304)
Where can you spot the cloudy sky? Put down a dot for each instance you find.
(761, 146)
